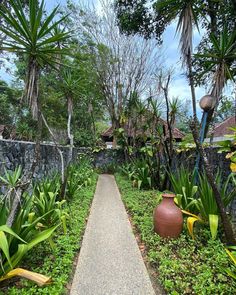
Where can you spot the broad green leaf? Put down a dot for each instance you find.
(139, 184)
(17, 257)
(63, 219)
(5, 247)
(44, 235)
(194, 190)
(213, 221)
(8, 230)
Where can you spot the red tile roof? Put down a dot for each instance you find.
(177, 134)
(223, 128)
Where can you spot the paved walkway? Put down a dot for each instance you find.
(110, 262)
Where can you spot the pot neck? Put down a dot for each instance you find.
(168, 199)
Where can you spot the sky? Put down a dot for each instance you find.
(179, 86)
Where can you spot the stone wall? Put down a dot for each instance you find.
(15, 153)
(217, 160)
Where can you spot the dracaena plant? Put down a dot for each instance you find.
(33, 35)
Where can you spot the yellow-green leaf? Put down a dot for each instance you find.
(190, 224)
(233, 167)
(191, 214)
(233, 258)
(41, 280)
(213, 221)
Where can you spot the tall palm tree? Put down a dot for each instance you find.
(31, 36)
(187, 13)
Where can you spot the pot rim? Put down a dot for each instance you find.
(168, 195)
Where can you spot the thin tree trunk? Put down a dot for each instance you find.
(69, 134)
(58, 149)
(31, 92)
(191, 82)
(229, 234)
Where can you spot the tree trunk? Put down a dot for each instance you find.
(58, 149)
(229, 235)
(31, 91)
(191, 82)
(69, 134)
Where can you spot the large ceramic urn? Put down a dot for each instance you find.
(168, 218)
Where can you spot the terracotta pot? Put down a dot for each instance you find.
(168, 218)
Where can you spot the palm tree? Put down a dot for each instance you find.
(31, 36)
(187, 13)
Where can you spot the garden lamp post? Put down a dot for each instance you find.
(207, 103)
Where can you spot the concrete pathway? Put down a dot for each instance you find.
(110, 262)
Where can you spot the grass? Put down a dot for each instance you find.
(183, 266)
(57, 264)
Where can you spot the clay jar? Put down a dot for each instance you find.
(168, 218)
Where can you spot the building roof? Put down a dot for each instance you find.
(177, 134)
(223, 128)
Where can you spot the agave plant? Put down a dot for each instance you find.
(34, 36)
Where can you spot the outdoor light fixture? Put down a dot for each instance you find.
(207, 103)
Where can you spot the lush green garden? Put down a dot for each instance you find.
(73, 71)
(183, 265)
(52, 226)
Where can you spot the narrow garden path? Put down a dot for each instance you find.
(110, 262)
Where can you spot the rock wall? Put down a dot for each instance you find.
(15, 153)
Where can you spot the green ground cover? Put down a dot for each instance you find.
(57, 263)
(183, 266)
